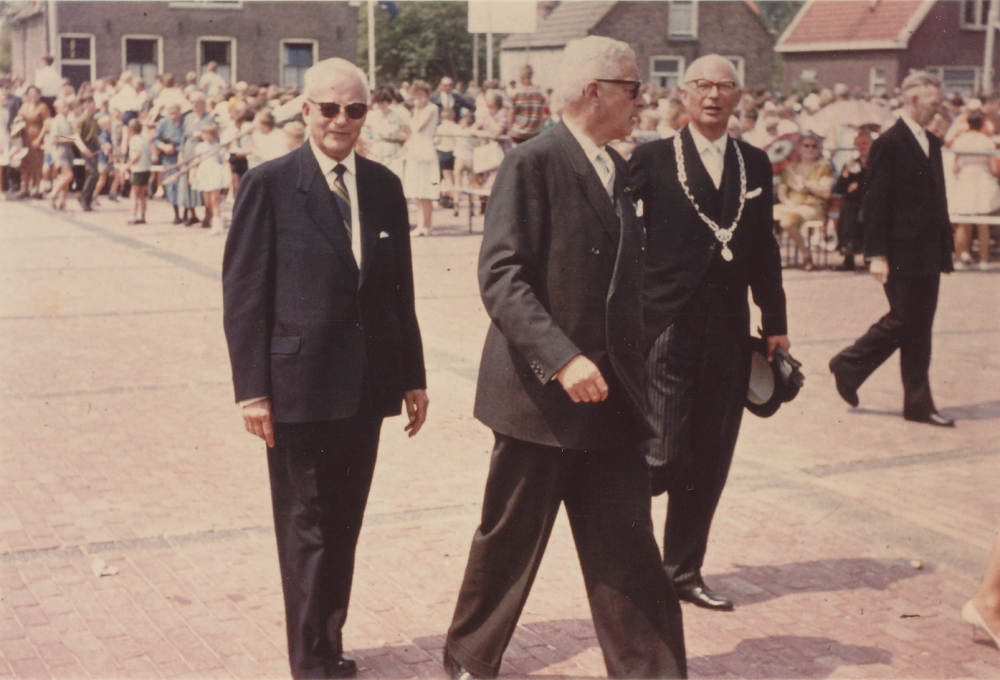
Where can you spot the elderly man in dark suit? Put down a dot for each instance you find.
(560, 384)
(707, 209)
(445, 98)
(909, 242)
(324, 343)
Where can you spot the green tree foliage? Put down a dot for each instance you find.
(426, 40)
(778, 14)
(7, 10)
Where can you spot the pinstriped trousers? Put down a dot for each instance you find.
(696, 380)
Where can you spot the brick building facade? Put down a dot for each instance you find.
(666, 36)
(874, 45)
(253, 41)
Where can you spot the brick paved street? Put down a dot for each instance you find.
(121, 444)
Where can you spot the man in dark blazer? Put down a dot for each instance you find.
(323, 340)
(707, 209)
(445, 98)
(909, 242)
(560, 384)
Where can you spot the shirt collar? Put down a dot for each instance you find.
(917, 130)
(327, 164)
(701, 142)
(591, 150)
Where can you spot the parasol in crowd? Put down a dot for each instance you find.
(854, 112)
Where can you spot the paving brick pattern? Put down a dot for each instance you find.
(121, 444)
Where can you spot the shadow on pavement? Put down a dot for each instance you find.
(987, 410)
(753, 585)
(787, 656)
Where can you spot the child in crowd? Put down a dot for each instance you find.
(104, 155)
(140, 160)
(295, 134)
(210, 175)
(464, 144)
(445, 142)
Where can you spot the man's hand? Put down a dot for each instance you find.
(879, 267)
(775, 341)
(582, 380)
(259, 420)
(416, 410)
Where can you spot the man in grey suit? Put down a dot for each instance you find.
(561, 385)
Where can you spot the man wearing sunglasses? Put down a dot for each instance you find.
(560, 385)
(707, 210)
(324, 344)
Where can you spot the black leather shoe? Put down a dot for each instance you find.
(849, 394)
(933, 419)
(342, 668)
(699, 595)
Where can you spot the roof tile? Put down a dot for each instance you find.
(842, 21)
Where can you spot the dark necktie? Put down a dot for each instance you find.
(343, 198)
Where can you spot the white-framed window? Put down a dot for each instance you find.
(76, 57)
(741, 67)
(682, 21)
(876, 81)
(666, 71)
(206, 4)
(143, 56)
(958, 79)
(975, 13)
(296, 56)
(221, 50)
(808, 75)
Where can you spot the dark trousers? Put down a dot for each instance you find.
(907, 327)
(696, 380)
(320, 477)
(87, 194)
(636, 613)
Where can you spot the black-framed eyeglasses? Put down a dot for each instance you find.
(636, 85)
(355, 111)
(704, 86)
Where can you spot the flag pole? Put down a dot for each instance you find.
(371, 45)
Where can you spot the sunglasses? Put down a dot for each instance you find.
(332, 109)
(634, 83)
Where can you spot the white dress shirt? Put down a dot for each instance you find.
(326, 166)
(597, 156)
(712, 154)
(919, 132)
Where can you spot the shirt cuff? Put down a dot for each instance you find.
(251, 400)
(878, 258)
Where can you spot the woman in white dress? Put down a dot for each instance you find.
(422, 173)
(975, 190)
(387, 131)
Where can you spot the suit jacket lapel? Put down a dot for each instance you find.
(589, 183)
(321, 205)
(367, 202)
(912, 143)
(699, 181)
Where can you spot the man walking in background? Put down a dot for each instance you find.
(909, 242)
(528, 105)
(560, 385)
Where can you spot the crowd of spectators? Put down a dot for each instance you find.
(190, 142)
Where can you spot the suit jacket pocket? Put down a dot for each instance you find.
(285, 344)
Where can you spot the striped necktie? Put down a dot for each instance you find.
(343, 198)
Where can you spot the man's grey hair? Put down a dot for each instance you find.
(586, 59)
(701, 62)
(919, 79)
(334, 65)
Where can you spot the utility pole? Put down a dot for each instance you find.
(371, 45)
(991, 32)
(475, 59)
(489, 54)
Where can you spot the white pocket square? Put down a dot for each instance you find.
(638, 208)
(385, 234)
(755, 193)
